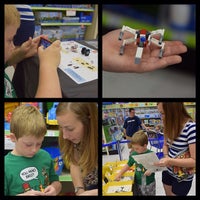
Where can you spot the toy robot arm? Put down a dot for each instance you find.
(159, 32)
(162, 45)
(126, 28)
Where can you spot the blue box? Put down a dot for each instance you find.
(85, 17)
(57, 158)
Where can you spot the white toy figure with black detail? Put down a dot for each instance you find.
(142, 38)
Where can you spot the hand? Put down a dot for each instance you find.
(32, 193)
(117, 178)
(50, 191)
(30, 47)
(150, 61)
(51, 55)
(147, 173)
(93, 192)
(164, 162)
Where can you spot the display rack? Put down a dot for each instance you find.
(67, 22)
(115, 114)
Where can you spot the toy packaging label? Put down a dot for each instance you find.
(79, 67)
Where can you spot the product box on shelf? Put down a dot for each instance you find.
(48, 17)
(73, 32)
(85, 17)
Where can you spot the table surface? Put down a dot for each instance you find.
(25, 79)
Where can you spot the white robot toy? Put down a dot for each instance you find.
(142, 38)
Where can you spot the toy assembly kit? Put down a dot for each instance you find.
(123, 187)
(115, 188)
(79, 62)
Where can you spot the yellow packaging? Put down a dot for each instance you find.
(118, 188)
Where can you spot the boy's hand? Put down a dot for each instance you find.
(30, 47)
(51, 55)
(117, 178)
(147, 173)
(50, 191)
(32, 193)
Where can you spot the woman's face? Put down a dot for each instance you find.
(71, 127)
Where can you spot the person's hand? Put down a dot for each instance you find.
(30, 47)
(147, 173)
(50, 56)
(50, 191)
(117, 178)
(32, 193)
(150, 60)
(93, 192)
(164, 162)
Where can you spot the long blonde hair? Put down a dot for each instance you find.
(87, 113)
(175, 116)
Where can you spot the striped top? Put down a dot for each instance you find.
(25, 11)
(187, 136)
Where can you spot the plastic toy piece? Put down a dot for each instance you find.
(142, 38)
(85, 51)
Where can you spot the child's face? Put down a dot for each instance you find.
(10, 32)
(27, 146)
(139, 149)
(72, 128)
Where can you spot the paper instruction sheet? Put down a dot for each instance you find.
(148, 160)
(77, 66)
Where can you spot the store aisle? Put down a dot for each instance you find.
(159, 187)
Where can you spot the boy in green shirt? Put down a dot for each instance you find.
(49, 58)
(144, 183)
(29, 170)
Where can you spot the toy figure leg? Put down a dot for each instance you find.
(128, 41)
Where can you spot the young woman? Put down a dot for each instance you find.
(179, 148)
(78, 141)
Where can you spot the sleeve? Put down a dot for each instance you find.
(131, 161)
(192, 133)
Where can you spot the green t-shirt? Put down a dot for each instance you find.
(139, 170)
(22, 174)
(9, 91)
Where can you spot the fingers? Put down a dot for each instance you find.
(169, 60)
(57, 43)
(174, 48)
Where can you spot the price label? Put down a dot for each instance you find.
(70, 13)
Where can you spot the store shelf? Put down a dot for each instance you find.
(61, 9)
(50, 133)
(65, 177)
(66, 24)
(85, 28)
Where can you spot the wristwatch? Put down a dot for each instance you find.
(78, 188)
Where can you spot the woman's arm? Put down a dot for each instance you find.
(186, 162)
(77, 180)
(165, 148)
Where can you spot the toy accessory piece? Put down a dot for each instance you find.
(44, 42)
(85, 51)
(142, 38)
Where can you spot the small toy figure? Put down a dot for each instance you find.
(142, 38)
